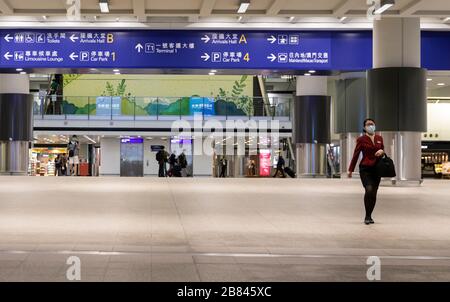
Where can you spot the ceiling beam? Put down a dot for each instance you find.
(6, 8)
(275, 7)
(411, 8)
(139, 10)
(344, 7)
(207, 7)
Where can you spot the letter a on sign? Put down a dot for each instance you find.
(242, 39)
(74, 271)
(374, 272)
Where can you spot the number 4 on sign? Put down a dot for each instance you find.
(247, 57)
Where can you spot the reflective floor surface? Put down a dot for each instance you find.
(150, 229)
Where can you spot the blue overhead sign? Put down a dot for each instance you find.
(160, 49)
(183, 49)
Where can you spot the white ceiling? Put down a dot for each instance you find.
(219, 13)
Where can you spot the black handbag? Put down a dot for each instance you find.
(385, 167)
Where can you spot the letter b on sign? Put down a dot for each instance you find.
(74, 271)
(374, 272)
(110, 38)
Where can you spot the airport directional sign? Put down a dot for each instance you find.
(21, 48)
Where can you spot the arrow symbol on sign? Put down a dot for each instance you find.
(206, 39)
(73, 56)
(8, 56)
(139, 47)
(8, 38)
(272, 57)
(272, 39)
(73, 38)
(205, 57)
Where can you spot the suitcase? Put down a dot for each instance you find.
(289, 172)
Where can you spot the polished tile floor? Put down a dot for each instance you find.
(150, 229)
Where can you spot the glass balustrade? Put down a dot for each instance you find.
(159, 108)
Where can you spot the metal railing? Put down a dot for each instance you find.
(157, 108)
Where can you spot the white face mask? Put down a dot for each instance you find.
(370, 129)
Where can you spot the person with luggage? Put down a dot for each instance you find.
(372, 147)
(183, 163)
(280, 167)
(172, 162)
(161, 158)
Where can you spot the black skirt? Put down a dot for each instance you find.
(369, 176)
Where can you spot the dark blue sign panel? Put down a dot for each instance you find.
(317, 50)
(132, 140)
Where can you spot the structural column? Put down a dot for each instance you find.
(312, 126)
(396, 94)
(16, 123)
(350, 112)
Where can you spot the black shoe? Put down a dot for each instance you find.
(371, 221)
(367, 221)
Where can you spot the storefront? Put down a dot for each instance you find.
(42, 160)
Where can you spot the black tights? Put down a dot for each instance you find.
(370, 199)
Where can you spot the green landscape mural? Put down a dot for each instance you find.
(148, 95)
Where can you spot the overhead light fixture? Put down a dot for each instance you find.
(446, 20)
(90, 139)
(23, 72)
(240, 18)
(116, 70)
(441, 84)
(384, 6)
(214, 70)
(342, 19)
(312, 71)
(44, 17)
(307, 74)
(243, 6)
(104, 6)
(117, 73)
(19, 69)
(291, 19)
(211, 73)
(429, 80)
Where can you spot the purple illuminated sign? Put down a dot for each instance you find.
(132, 140)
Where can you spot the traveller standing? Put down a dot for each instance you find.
(64, 164)
(161, 158)
(58, 165)
(172, 162)
(223, 167)
(280, 166)
(74, 150)
(372, 147)
(183, 163)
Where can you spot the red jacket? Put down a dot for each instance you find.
(364, 144)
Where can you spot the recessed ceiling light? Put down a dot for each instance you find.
(429, 80)
(214, 70)
(312, 71)
(342, 19)
(291, 19)
(44, 17)
(23, 72)
(117, 73)
(243, 6)
(104, 6)
(19, 69)
(307, 74)
(116, 70)
(211, 73)
(441, 84)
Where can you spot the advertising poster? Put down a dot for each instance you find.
(264, 162)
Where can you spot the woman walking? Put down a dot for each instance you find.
(372, 147)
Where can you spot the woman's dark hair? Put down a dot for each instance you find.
(364, 124)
